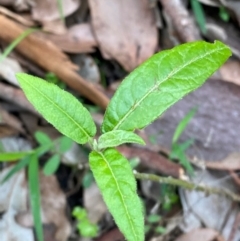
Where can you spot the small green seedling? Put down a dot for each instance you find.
(84, 225)
(141, 98)
(199, 15)
(152, 224)
(16, 41)
(31, 159)
(178, 149)
(52, 78)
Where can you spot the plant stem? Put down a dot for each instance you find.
(187, 185)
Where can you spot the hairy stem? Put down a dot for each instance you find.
(188, 185)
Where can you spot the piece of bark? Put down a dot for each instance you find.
(49, 57)
(153, 160)
(125, 30)
(181, 20)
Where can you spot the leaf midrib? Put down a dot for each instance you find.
(156, 86)
(119, 190)
(59, 108)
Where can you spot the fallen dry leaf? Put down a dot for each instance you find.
(17, 17)
(53, 205)
(201, 234)
(13, 201)
(211, 211)
(78, 39)
(49, 57)
(215, 127)
(94, 204)
(56, 27)
(10, 120)
(230, 72)
(47, 10)
(19, 5)
(231, 162)
(8, 68)
(125, 30)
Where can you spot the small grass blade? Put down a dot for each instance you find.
(34, 192)
(13, 156)
(16, 41)
(183, 124)
(21, 164)
(199, 15)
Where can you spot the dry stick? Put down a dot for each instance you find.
(187, 185)
(50, 57)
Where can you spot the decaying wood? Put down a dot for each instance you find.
(49, 57)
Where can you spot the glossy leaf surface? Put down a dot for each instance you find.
(59, 108)
(160, 82)
(116, 181)
(118, 137)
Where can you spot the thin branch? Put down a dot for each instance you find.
(188, 185)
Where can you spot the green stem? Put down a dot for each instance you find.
(188, 185)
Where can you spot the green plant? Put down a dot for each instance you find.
(84, 225)
(199, 15)
(153, 224)
(143, 96)
(178, 149)
(16, 41)
(31, 159)
(223, 14)
(52, 78)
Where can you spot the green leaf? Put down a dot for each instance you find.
(223, 13)
(13, 156)
(51, 165)
(118, 137)
(34, 191)
(116, 181)
(42, 138)
(153, 218)
(21, 164)
(160, 82)
(59, 108)
(183, 124)
(65, 144)
(87, 229)
(199, 15)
